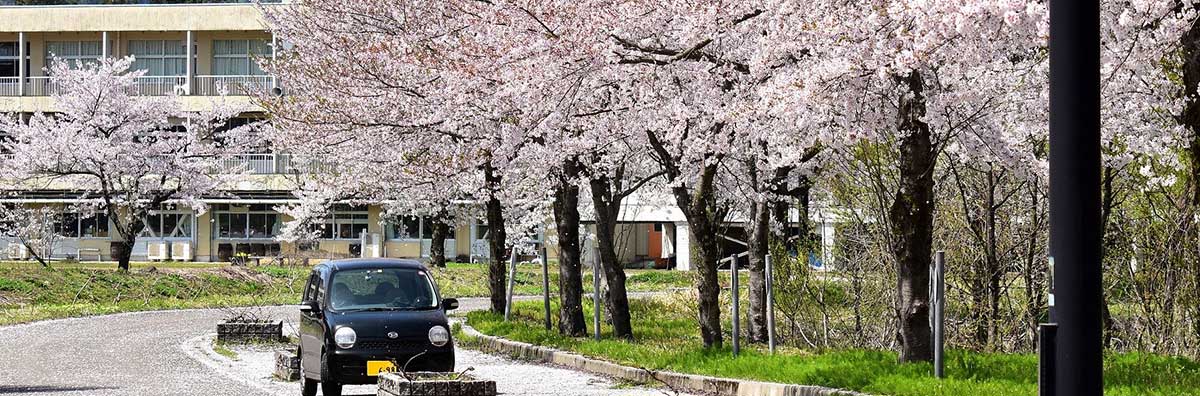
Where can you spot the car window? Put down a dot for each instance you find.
(310, 289)
(320, 280)
(381, 289)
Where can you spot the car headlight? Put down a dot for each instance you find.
(345, 337)
(438, 336)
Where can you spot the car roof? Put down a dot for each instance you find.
(362, 263)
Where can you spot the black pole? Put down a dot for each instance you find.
(1075, 194)
(939, 312)
(1046, 342)
(546, 285)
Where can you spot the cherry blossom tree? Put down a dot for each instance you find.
(907, 73)
(34, 229)
(120, 153)
(404, 87)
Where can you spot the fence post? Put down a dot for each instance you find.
(770, 305)
(546, 285)
(939, 310)
(512, 274)
(733, 270)
(596, 291)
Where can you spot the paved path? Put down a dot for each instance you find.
(156, 353)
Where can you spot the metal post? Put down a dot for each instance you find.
(1047, 332)
(104, 45)
(512, 274)
(770, 275)
(939, 319)
(596, 292)
(274, 52)
(188, 82)
(22, 64)
(1075, 194)
(733, 270)
(546, 285)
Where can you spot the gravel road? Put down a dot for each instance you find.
(161, 353)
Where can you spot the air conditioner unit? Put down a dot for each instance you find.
(17, 251)
(181, 251)
(157, 251)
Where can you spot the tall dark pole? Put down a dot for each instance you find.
(1075, 194)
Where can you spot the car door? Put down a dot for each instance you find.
(312, 332)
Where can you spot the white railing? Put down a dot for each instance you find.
(233, 85)
(155, 85)
(266, 164)
(290, 165)
(39, 86)
(258, 164)
(9, 86)
(161, 85)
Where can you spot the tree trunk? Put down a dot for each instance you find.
(758, 246)
(995, 274)
(123, 248)
(911, 218)
(700, 210)
(607, 208)
(437, 243)
(1190, 45)
(496, 241)
(570, 280)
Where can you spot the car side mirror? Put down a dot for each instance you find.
(450, 304)
(309, 307)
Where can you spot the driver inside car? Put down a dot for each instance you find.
(341, 296)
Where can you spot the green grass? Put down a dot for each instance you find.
(109, 264)
(222, 350)
(470, 280)
(668, 339)
(31, 293)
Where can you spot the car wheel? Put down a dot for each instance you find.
(329, 385)
(310, 387)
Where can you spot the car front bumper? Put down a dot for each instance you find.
(350, 365)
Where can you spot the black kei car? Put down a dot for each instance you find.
(361, 317)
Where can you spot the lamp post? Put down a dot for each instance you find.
(1075, 194)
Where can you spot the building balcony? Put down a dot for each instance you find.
(154, 86)
(269, 164)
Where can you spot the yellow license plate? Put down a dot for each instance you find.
(374, 367)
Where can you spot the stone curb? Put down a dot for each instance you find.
(287, 366)
(676, 381)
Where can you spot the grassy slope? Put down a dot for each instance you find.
(668, 339)
(470, 280)
(29, 292)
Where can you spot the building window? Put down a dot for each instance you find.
(168, 225)
(239, 57)
(255, 222)
(159, 57)
(74, 52)
(481, 230)
(346, 222)
(411, 228)
(75, 225)
(9, 61)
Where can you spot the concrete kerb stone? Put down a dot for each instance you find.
(287, 366)
(683, 382)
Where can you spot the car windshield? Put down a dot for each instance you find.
(381, 289)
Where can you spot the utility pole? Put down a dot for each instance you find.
(1075, 195)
